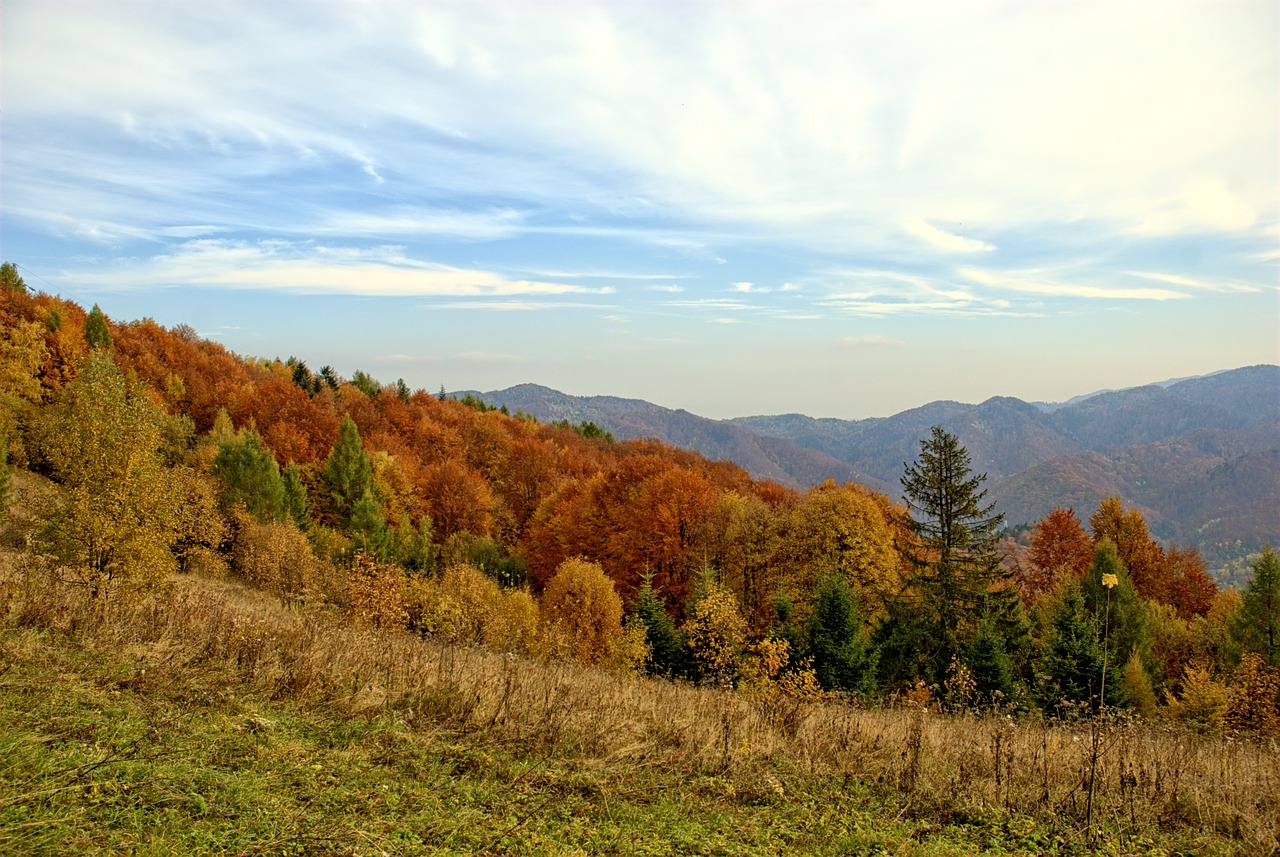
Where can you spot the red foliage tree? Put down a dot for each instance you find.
(1192, 589)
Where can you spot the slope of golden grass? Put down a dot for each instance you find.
(204, 642)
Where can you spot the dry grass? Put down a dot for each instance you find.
(212, 637)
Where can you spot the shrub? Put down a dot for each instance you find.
(467, 607)
(276, 557)
(376, 592)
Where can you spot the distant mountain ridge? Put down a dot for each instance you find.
(1199, 456)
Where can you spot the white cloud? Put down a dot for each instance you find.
(488, 357)
(1034, 283)
(1194, 283)
(817, 127)
(311, 268)
(943, 240)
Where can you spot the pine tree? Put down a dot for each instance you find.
(958, 577)
(250, 476)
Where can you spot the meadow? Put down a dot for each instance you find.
(208, 717)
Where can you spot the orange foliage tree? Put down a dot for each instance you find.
(1141, 556)
(1060, 550)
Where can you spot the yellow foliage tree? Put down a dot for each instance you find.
(1255, 696)
(113, 519)
(845, 528)
(717, 634)
(581, 608)
(1203, 702)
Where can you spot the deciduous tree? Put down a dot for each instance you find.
(112, 520)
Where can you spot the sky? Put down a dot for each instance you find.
(843, 209)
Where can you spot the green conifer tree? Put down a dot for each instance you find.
(347, 475)
(1257, 626)
(990, 666)
(1124, 617)
(668, 652)
(841, 658)
(250, 476)
(958, 580)
(1074, 659)
(96, 332)
(295, 496)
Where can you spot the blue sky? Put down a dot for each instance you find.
(841, 209)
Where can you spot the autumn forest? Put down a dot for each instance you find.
(133, 452)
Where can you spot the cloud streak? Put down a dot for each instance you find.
(315, 269)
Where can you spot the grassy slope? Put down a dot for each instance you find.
(214, 722)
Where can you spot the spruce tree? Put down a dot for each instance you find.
(841, 658)
(1074, 658)
(958, 579)
(668, 652)
(1257, 626)
(347, 474)
(1120, 612)
(990, 666)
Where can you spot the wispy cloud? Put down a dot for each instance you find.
(283, 266)
(1035, 283)
(943, 240)
(1194, 283)
(489, 357)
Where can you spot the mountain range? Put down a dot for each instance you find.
(1200, 457)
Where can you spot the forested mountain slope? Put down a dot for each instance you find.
(1198, 456)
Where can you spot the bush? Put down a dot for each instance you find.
(277, 557)
(467, 607)
(376, 592)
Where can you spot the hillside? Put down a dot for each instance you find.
(763, 455)
(1194, 454)
(210, 718)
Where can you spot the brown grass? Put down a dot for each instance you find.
(214, 636)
